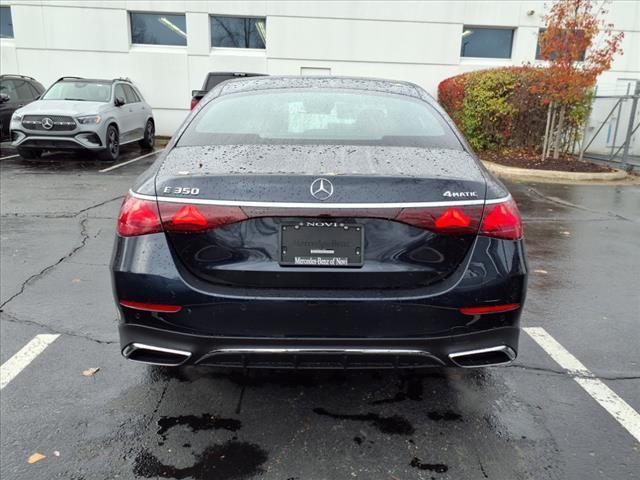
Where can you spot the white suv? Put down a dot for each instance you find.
(77, 114)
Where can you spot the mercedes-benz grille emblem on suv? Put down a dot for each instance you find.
(47, 123)
(321, 188)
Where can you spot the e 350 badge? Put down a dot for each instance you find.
(181, 190)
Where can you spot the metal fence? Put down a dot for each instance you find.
(611, 133)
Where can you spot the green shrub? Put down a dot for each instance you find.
(495, 108)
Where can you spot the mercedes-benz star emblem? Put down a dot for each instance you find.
(47, 123)
(321, 188)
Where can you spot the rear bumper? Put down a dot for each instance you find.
(318, 329)
(156, 346)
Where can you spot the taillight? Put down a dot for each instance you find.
(502, 220)
(444, 220)
(179, 217)
(138, 217)
(194, 102)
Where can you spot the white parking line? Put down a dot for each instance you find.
(607, 398)
(113, 167)
(10, 156)
(12, 367)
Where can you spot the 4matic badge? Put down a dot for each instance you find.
(449, 193)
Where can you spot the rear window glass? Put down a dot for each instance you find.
(213, 80)
(83, 91)
(312, 117)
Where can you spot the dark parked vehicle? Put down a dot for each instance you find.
(213, 79)
(15, 91)
(316, 222)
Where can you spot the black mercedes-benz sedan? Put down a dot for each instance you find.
(319, 222)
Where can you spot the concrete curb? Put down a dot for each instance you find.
(554, 176)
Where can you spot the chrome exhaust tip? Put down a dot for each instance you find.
(168, 357)
(484, 357)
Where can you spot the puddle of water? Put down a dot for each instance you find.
(394, 425)
(197, 423)
(410, 389)
(226, 461)
(433, 467)
(446, 415)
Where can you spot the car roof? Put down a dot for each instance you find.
(239, 74)
(15, 75)
(248, 84)
(93, 80)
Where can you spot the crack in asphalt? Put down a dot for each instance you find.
(564, 203)
(61, 215)
(158, 403)
(85, 237)
(8, 317)
(565, 373)
(83, 242)
(484, 473)
(97, 205)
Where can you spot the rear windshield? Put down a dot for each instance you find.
(316, 117)
(213, 80)
(83, 91)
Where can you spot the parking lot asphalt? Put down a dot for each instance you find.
(541, 418)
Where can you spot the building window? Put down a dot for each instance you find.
(238, 32)
(553, 55)
(480, 42)
(6, 24)
(158, 29)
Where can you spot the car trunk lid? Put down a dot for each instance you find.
(398, 217)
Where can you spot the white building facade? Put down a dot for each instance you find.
(168, 47)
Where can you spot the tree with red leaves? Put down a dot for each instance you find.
(579, 45)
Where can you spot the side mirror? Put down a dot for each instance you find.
(4, 98)
(119, 101)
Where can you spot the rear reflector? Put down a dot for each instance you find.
(480, 310)
(151, 307)
(138, 217)
(194, 102)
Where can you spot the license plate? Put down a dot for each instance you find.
(321, 244)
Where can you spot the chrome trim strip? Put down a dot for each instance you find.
(132, 347)
(355, 206)
(324, 350)
(508, 351)
(321, 351)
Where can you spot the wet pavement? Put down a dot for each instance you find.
(529, 420)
